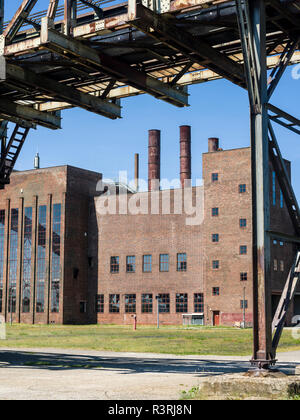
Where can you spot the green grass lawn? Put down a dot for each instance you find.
(168, 339)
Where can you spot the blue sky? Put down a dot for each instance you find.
(217, 109)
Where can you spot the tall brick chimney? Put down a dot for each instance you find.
(154, 160)
(213, 144)
(185, 156)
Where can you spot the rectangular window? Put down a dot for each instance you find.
(216, 291)
(181, 302)
(243, 223)
(99, 304)
(214, 177)
(82, 307)
(130, 304)
(216, 264)
(164, 262)
(147, 263)
(242, 188)
(198, 302)
(164, 303)
(147, 303)
(215, 237)
(281, 199)
(243, 276)
(13, 259)
(274, 188)
(26, 270)
(130, 264)
(41, 260)
(114, 303)
(244, 304)
(243, 250)
(56, 241)
(215, 211)
(2, 236)
(114, 264)
(275, 265)
(181, 262)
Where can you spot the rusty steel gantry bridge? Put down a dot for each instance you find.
(93, 53)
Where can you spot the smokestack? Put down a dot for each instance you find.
(185, 156)
(213, 144)
(154, 160)
(37, 161)
(136, 171)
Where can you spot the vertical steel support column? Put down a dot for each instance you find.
(1, 15)
(262, 323)
(70, 13)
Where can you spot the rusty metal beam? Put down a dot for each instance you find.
(285, 301)
(70, 14)
(92, 59)
(18, 19)
(12, 109)
(11, 73)
(52, 9)
(165, 30)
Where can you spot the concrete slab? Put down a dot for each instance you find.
(239, 386)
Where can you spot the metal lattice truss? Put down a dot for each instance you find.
(92, 53)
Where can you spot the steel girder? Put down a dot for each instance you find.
(251, 19)
(92, 59)
(164, 29)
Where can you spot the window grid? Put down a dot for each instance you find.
(215, 211)
(242, 188)
(243, 276)
(26, 271)
(215, 237)
(114, 264)
(130, 304)
(214, 177)
(164, 262)
(130, 264)
(243, 250)
(181, 302)
(216, 291)
(147, 263)
(198, 302)
(164, 303)
(243, 223)
(216, 264)
(99, 304)
(147, 303)
(2, 236)
(56, 242)
(114, 303)
(13, 259)
(41, 260)
(181, 262)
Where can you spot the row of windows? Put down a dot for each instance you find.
(164, 262)
(26, 262)
(148, 301)
(242, 188)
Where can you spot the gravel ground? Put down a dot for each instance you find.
(33, 374)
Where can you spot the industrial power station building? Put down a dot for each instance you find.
(74, 249)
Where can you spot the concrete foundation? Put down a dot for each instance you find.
(239, 386)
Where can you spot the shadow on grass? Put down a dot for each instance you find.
(124, 364)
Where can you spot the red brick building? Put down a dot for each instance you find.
(186, 251)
